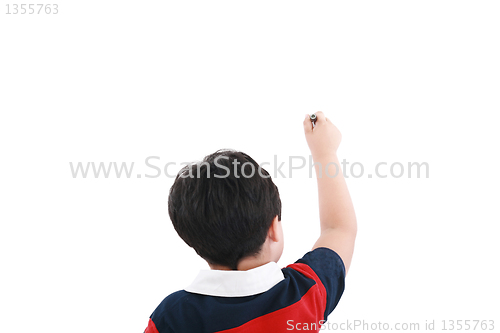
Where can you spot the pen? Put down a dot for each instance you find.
(313, 119)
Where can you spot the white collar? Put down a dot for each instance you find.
(236, 283)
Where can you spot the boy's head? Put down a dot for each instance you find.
(225, 207)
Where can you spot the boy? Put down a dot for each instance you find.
(231, 216)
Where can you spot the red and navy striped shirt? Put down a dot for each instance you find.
(264, 299)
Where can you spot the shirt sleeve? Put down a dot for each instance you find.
(151, 327)
(330, 269)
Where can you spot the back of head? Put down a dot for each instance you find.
(223, 206)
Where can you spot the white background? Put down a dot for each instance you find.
(118, 81)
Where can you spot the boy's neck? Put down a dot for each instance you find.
(270, 251)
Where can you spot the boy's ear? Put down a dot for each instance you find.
(274, 230)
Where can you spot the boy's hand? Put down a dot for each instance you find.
(336, 212)
(324, 139)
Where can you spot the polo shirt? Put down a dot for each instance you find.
(263, 299)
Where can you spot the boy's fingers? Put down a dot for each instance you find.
(320, 117)
(308, 126)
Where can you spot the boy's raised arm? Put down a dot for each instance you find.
(336, 212)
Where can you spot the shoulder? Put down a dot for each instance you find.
(319, 265)
(321, 260)
(175, 301)
(171, 308)
(324, 269)
(323, 257)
